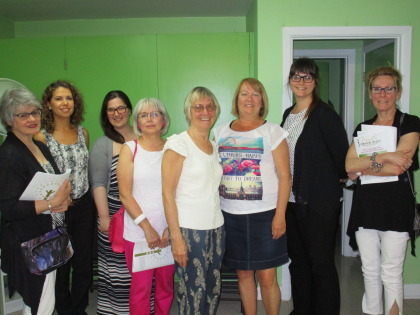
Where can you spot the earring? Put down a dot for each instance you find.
(138, 128)
(163, 125)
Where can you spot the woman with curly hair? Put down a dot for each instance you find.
(62, 109)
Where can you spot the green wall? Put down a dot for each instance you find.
(163, 66)
(130, 26)
(7, 28)
(273, 15)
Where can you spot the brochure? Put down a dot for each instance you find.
(145, 258)
(378, 139)
(43, 186)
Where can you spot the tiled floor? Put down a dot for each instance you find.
(351, 284)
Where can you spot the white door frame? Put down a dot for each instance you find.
(402, 36)
(368, 48)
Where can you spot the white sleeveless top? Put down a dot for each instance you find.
(147, 190)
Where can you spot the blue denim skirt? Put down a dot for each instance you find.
(250, 244)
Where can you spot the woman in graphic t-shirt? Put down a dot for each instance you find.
(254, 190)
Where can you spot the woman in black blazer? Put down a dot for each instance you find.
(317, 146)
(20, 158)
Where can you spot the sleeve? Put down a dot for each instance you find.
(14, 179)
(335, 138)
(410, 124)
(276, 136)
(176, 144)
(99, 163)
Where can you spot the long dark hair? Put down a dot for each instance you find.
(109, 129)
(308, 66)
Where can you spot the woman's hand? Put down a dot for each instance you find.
(353, 176)
(152, 237)
(179, 251)
(400, 159)
(164, 241)
(61, 200)
(104, 224)
(278, 226)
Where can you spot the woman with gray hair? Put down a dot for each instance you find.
(191, 176)
(140, 186)
(21, 157)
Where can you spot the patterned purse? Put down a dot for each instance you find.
(47, 252)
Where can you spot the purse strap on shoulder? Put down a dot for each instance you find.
(135, 149)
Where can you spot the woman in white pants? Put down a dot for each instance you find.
(381, 220)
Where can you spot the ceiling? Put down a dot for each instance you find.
(44, 10)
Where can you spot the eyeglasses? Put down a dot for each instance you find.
(119, 110)
(199, 108)
(24, 116)
(306, 78)
(387, 90)
(152, 115)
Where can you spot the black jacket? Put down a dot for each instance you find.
(319, 160)
(19, 219)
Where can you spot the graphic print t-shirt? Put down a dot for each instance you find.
(249, 183)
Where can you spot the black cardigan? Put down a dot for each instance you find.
(319, 160)
(19, 220)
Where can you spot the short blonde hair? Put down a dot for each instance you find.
(155, 104)
(195, 94)
(381, 71)
(257, 86)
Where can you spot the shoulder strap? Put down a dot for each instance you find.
(135, 150)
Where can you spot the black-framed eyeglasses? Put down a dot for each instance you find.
(24, 116)
(306, 78)
(152, 115)
(119, 110)
(199, 108)
(387, 90)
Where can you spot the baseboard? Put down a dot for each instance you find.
(411, 291)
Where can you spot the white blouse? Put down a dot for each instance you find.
(197, 194)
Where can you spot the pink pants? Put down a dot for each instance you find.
(141, 286)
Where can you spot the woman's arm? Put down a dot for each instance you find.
(86, 134)
(281, 161)
(101, 202)
(125, 171)
(99, 170)
(172, 164)
(394, 163)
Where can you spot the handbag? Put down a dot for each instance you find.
(47, 252)
(116, 226)
(416, 224)
(116, 231)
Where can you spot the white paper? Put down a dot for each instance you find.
(43, 186)
(379, 139)
(145, 258)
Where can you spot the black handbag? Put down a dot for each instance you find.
(47, 252)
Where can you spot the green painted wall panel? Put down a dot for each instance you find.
(134, 26)
(216, 61)
(97, 65)
(7, 28)
(32, 62)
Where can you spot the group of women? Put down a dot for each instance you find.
(256, 196)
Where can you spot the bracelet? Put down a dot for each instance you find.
(139, 219)
(375, 165)
(49, 205)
